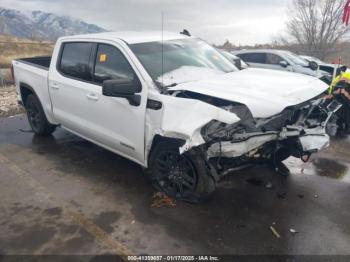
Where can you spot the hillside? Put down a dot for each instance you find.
(42, 25)
(14, 47)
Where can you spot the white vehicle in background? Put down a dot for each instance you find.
(326, 67)
(173, 104)
(279, 60)
(311, 58)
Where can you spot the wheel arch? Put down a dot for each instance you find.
(160, 139)
(25, 91)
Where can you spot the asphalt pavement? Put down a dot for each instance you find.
(64, 195)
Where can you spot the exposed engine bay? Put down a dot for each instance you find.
(297, 131)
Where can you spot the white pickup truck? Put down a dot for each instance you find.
(173, 104)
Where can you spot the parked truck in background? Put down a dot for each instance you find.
(173, 104)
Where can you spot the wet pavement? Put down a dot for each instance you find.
(64, 195)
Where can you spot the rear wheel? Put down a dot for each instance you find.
(181, 176)
(37, 118)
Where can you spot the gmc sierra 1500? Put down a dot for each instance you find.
(173, 104)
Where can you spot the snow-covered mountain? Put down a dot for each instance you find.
(41, 25)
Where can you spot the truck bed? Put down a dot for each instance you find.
(38, 61)
(33, 73)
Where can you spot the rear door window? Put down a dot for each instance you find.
(75, 59)
(111, 64)
(259, 58)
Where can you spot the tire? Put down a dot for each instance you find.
(36, 117)
(184, 177)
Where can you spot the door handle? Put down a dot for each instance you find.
(55, 86)
(92, 97)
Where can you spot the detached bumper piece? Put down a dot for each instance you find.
(314, 143)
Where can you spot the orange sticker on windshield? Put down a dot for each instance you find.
(103, 58)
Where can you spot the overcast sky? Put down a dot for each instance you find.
(240, 21)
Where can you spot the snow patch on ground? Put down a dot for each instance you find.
(8, 102)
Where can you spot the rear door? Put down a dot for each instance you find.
(254, 59)
(80, 106)
(69, 83)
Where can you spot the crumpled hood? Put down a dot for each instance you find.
(264, 92)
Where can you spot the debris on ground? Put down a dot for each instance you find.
(269, 185)
(300, 195)
(160, 199)
(8, 102)
(274, 231)
(281, 195)
(26, 131)
(293, 231)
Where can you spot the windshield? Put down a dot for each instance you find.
(181, 55)
(296, 59)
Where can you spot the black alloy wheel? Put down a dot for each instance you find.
(182, 176)
(175, 174)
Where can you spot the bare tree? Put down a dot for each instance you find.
(316, 25)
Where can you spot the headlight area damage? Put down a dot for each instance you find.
(230, 138)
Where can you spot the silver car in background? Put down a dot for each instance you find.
(279, 60)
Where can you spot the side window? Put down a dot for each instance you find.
(75, 60)
(259, 58)
(273, 59)
(111, 64)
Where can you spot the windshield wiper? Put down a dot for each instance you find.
(164, 88)
(171, 85)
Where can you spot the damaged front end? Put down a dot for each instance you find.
(297, 131)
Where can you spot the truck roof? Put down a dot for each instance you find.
(131, 37)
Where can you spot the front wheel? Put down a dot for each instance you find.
(37, 118)
(181, 176)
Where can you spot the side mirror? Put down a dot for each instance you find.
(313, 65)
(284, 64)
(125, 87)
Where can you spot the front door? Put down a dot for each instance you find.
(273, 61)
